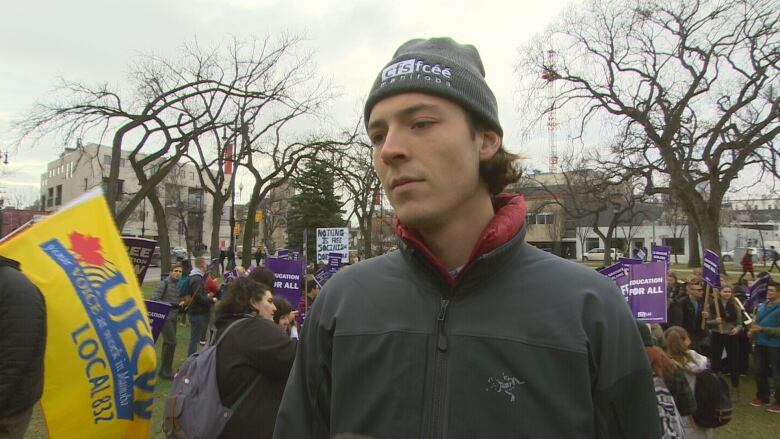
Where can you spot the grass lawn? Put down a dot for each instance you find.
(748, 422)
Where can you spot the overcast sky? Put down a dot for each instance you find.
(95, 40)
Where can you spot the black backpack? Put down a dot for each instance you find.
(713, 400)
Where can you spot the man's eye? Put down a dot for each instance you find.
(421, 124)
(376, 139)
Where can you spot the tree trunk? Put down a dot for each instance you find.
(216, 218)
(249, 230)
(163, 241)
(694, 257)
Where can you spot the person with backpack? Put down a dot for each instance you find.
(692, 363)
(200, 302)
(726, 325)
(168, 291)
(765, 332)
(675, 399)
(255, 348)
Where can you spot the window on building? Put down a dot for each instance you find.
(676, 244)
(86, 184)
(530, 219)
(545, 218)
(50, 198)
(119, 191)
(591, 243)
(107, 159)
(58, 196)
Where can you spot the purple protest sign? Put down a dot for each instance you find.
(757, 292)
(296, 256)
(710, 273)
(628, 262)
(282, 253)
(140, 251)
(661, 253)
(157, 312)
(614, 272)
(645, 291)
(321, 276)
(289, 276)
(334, 262)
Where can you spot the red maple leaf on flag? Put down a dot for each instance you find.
(87, 247)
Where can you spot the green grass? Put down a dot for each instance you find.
(748, 422)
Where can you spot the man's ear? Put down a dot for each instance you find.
(491, 143)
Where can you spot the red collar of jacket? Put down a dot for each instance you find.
(509, 218)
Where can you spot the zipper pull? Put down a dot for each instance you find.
(442, 339)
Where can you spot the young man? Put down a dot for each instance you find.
(766, 335)
(467, 331)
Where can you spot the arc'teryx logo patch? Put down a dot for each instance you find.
(505, 384)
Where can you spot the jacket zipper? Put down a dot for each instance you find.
(440, 371)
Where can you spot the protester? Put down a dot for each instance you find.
(306, 301)
(668, 378)
(745, 346)
(222, 256)
(184, 300)
(467, 326)
(725, 332)
(690, 314)
(22, 343)
(168, 291)
(677, 344)
(747, 264)
(264, 276)
(775, 257)
(285, 316)
(254, 348)
(200, 303)
(765, 333)
(258, 256)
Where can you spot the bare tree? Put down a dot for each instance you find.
(674, 217)
(172, 103)
(690, 88)
(356, 177)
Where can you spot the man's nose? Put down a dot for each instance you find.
(395, 146)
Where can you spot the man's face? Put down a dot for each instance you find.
(772, 294)
(427, 159)
(696, 290)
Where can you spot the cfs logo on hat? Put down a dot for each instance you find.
(417, 69)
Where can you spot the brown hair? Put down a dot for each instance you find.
(675, 344)
(500, 170)
(660, 362)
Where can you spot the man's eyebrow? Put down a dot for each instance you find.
(406, 112)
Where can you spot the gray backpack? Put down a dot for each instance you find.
(193, 409)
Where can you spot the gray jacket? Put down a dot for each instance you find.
(167, 291)
(525, 345)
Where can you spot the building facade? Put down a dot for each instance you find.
(187, 205)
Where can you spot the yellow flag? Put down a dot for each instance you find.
(99, 366)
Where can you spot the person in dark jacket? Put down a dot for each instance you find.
(254, 348)
(467, 331)
(22, 344)
(168, 291)
(725, 325)
(200, 302)
(689, 316)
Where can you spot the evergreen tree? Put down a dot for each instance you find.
(314, 205)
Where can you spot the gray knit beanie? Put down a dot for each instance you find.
(440, 67)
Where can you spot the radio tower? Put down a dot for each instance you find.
(549, 74)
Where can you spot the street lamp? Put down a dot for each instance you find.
(240, 189)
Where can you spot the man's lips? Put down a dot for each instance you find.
(401, 182)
